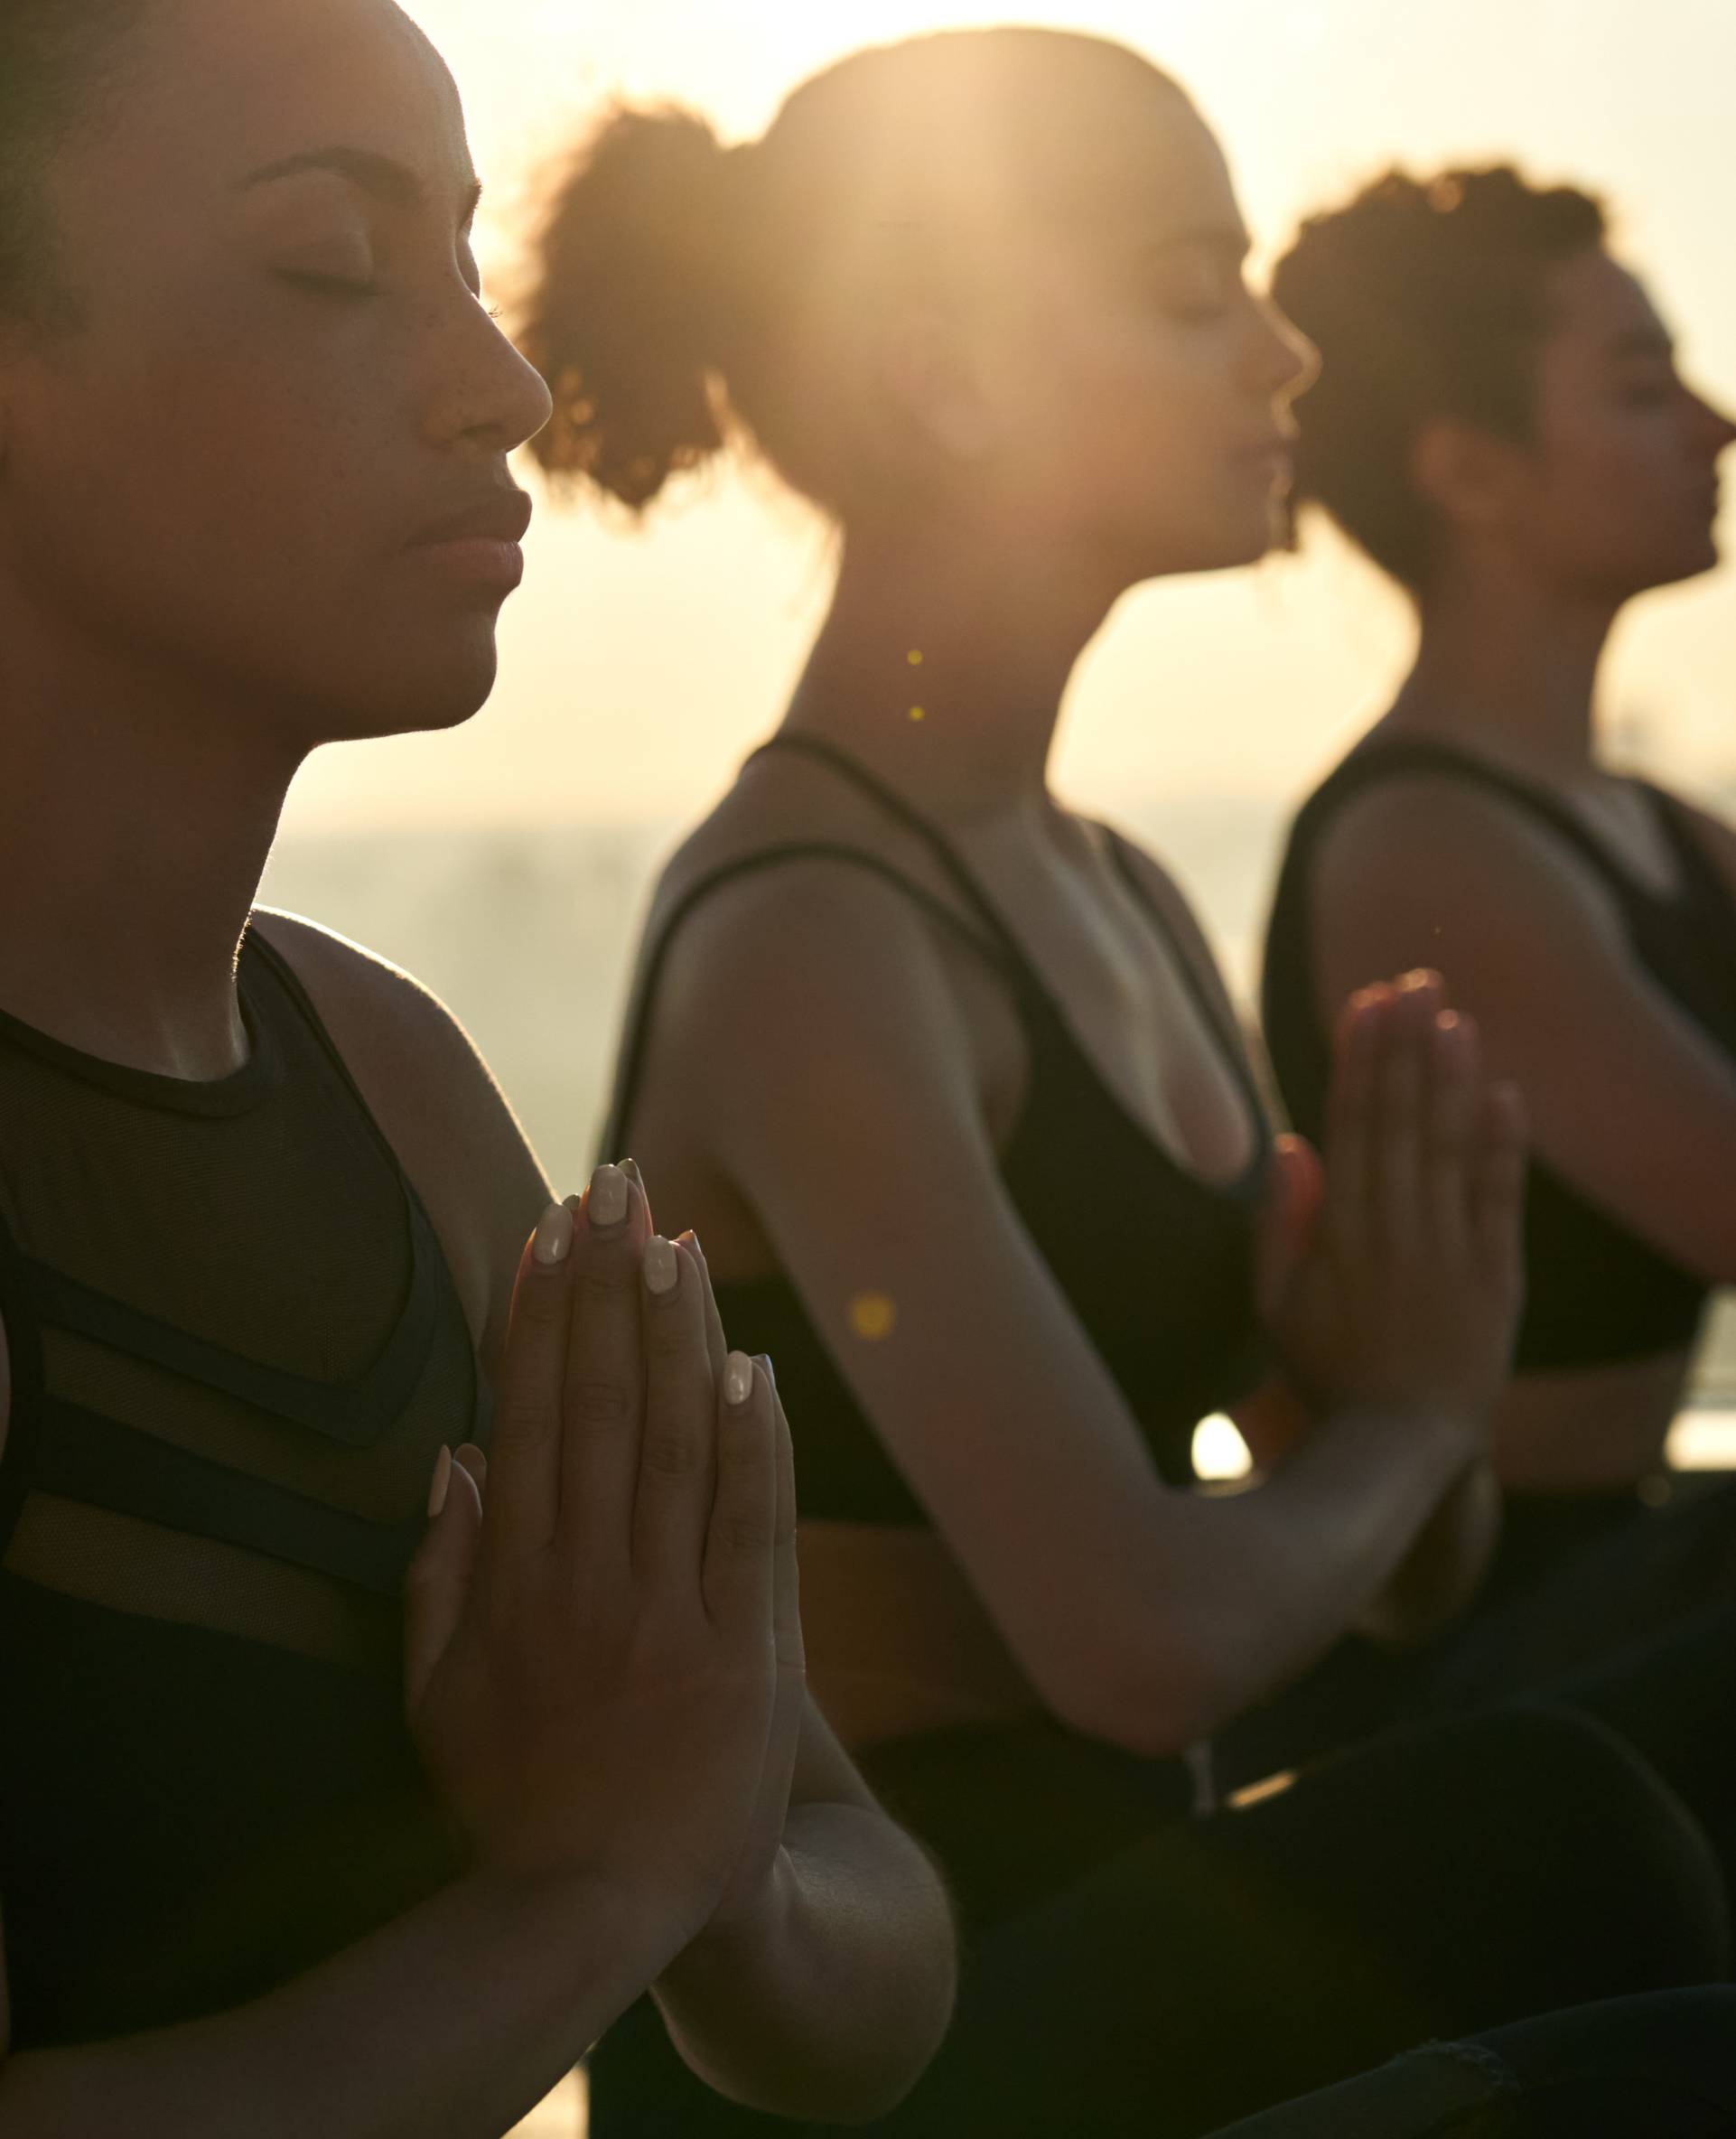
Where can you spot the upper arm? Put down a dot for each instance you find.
(1628, 1099)
(839, 1095)
(447, 1120)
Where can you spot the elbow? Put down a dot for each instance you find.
(1154, 1698)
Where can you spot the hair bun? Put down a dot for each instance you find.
(628, 321)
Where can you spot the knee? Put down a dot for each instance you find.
(1620, 1830)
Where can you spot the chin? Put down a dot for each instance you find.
(421, 696)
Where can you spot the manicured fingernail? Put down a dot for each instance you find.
(633, 1174)
(469, 1457)
(690, 1240)
(738, 1378)
(662, 1266)
(554, 1241)
(764, 1361)
(443, 1479)
(608, 1203)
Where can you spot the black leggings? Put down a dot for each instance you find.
(1438, 1882)
(1657, 2068)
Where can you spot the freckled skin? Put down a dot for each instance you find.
(250, 534)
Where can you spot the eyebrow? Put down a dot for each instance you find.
(382, 177)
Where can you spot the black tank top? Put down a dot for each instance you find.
(236, 1352)
(1157, 1264)
(1596, 1293)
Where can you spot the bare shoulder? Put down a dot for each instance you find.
(793, 904)
(1421, 845)
(432, 1096)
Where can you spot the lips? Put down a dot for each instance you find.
(504, 516)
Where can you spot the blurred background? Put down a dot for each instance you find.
(507, 865)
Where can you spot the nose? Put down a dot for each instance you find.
(486, 394)
(1715, 429)
(1289, 363)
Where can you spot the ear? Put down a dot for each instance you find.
(927, 373)
(1466, 473)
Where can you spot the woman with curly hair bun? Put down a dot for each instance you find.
(947, 1078)
(1502, 426)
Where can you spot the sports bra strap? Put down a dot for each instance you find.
(639, 1032)
(1228, 1034)
(855, 774)
(1411, 756)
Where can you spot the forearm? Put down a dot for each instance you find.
(1276, 1574)
(451, 2023)
(831, 2003)
(1444, 1569)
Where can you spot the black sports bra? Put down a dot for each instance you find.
(1596, 1293)
(236, 1352)
(1157, 1266)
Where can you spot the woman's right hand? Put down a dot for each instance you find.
(592, 1659)
(1394, 1282)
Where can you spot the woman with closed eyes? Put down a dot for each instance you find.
(286, 1847)
(945, 1075)
(1503, 426)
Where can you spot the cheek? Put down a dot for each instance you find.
(1618, 492)
(239, 510)
(1137, 413)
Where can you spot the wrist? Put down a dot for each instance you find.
(1455, 1433)
(743, 1932)
(567, 1931)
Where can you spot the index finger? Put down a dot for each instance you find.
(524, 1483)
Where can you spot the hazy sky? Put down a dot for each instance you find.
(640, 665)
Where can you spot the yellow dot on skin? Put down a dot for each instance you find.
(916, 714)
(874, 1316)
(914, 658)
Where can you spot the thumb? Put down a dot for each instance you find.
(1295, 1190)
(439, 1577)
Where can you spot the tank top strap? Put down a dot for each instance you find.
(1418, 757)
(1228, 1035)
(928, 834)
(290, 987)
(637, 1039)
(1708, 890)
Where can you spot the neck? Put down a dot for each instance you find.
(1511, 665)
(998, 636)
(135, 819)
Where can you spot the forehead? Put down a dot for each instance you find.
(1152, 176)
(211, 90)
(1599, 310)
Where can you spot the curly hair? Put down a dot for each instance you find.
(1426, 297)
(688, 295)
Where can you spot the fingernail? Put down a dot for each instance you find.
(469, 1457)
(554, 1241)
(608, 1200)
(630, 1170)
(738, 1378)
(443, 1479)
(692, 1240)
(662, 1266)
(764, 1361)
